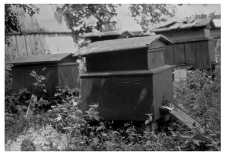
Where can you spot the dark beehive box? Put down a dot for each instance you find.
(127, 78)
(199, 54)
(193, 44)
(59, 69)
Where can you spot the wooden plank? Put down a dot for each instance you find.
(212, 51)
(185, 119)
(184, 35)
(203, 55)
(8, 53)
(21, 45)
(13, 48)
(169, 56)
(39, 44)
(179, 54)
(190, 54)
(30, 43)
(8, 57)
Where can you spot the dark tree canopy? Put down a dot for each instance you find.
(12, 13)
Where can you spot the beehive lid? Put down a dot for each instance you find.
(107, 33)
(185, 24)
(120, 44)
(40, 59)
(217, 23)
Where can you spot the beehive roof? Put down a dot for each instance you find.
(217, 23)
(39, 59)
(120, 44)
(185, 24)
(107, 33)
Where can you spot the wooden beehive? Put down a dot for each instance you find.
(193, 44)
(59, 69)
(127, 78)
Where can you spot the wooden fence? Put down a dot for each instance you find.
(35, 43)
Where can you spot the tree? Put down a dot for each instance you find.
(87, 17)
(83, 18)
(12, 14)
(151, 13)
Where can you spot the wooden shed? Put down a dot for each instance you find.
(193, 44)
(127, 78)
(59, 69)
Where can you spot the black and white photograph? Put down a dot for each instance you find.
(112, 76)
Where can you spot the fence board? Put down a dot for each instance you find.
(39, 45)
(30, 42)
(21, 45)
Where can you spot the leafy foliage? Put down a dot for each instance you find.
(102, 15)
(84, 18)
(202, 98)
(77, 16)
(148, 14)
(12, 14)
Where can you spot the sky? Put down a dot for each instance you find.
(46, 15)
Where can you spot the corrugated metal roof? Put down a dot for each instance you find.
(120, 44)
(38, 59)
(107, 33)
(186, 24)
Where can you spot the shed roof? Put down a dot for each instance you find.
(39, 59)
(185, 24)
(120, 44)
(107, 33)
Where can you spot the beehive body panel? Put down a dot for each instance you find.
(118, 61)
(68, 76)
(179, 56)
(186, 34)
(119, 98)
(18, 78)
(48, 66)
(190, 53)
(162, 90)
(156, 58)
(169, 55)
(203, 55)
(25, 80)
